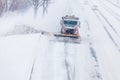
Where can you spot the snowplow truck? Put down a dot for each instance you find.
(70, 27)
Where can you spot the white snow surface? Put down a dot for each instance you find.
(36, 57)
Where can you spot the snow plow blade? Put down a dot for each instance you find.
(67, 35)
(68, 38)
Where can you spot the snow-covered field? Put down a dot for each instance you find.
(35, 57)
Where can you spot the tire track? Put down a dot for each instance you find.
(106, 30)
(107, 21)
(113, 4)
(70, 69)
(115, 15)
(33, 69)
(97, 75)
(33, 64)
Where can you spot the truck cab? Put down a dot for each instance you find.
(70, 25)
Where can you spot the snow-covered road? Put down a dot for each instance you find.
(36, 57)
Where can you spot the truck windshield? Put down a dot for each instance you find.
(70, 23)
